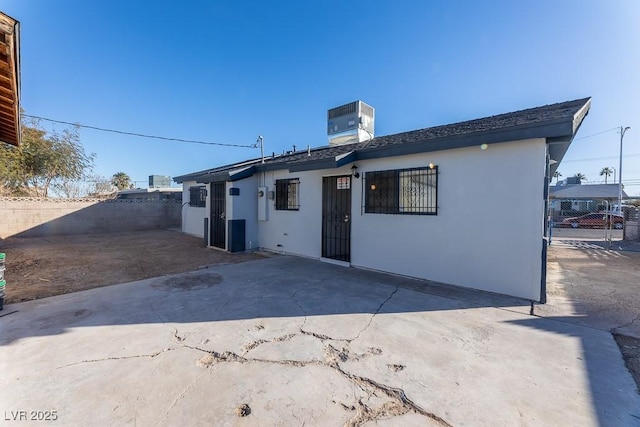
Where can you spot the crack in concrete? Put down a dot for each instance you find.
(180, 396)
(376, 312)
(255, 344)
(177, 337)
(400, 404)
(626, 325)
(105, 359)
(365, 413)
(296, 302)
(323, 337)
(394, 393)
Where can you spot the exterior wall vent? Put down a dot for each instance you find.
(349, 123)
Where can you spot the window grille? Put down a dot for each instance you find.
(287, 194)
(197, 197)
(402, 191)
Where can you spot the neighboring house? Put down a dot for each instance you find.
(423, 204)
(151, 194)
(577, 199)
(9, 80)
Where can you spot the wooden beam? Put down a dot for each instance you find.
(6, 68)
(7, 112)
(7, 121)
(7, 133)
(7, 95)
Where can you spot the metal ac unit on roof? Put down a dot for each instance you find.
(349, 123)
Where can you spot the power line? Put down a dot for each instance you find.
(596, 134)
(600, 158)
(140, 135)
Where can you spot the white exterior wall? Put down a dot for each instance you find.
(487, 234)
(245, 206)
(296, 232)
(192, 218)
(488, 231)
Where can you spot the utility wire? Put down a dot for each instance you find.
(600, 158)
(140, 135)
(595, 134)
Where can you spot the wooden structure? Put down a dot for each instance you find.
(9, 80)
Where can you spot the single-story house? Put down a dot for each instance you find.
(577, 199)
(157, 194)
(427, 203)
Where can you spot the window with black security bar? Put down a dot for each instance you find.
(197, 197)
(287, 194)
(402, 191)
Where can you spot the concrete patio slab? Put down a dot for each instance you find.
(300, 342)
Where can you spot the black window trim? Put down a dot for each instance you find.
(283, 200)
(394, 208)
(198, 196)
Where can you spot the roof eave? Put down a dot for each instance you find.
(10, 130)
(559, 145)
(516, 133)
(328, 163)
(227, 176)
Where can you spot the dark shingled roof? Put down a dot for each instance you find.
(557, 123)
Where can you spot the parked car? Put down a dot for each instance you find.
(593, 220)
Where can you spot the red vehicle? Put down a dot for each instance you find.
(593, 220)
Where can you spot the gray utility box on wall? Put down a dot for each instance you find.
(236, 235)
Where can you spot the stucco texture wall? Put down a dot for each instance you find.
(42, 217)
(193, 217)
(488, 232)
(296, 232)
(245, 206)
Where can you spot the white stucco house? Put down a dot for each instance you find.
(426, 203)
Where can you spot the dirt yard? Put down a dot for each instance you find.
(47, 266)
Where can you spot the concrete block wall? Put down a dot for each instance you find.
(632, 226)
(40, 217)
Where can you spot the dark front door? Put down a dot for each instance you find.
(336, 217)
(218, 215)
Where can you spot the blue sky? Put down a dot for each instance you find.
(228, 71)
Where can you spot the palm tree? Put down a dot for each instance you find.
(606, 172)
(121, 180)
(557, 176)
(580, 176)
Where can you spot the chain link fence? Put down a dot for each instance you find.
(592, 220)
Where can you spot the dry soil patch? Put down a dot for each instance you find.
(38, 267)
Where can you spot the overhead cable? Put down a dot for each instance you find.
(140, 135)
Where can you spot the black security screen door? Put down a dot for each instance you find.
(218, 214)
(336, 217)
